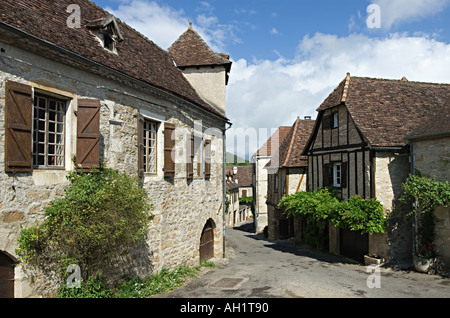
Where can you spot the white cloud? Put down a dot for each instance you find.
(401, 11)
(274, 31)
(268, 94)
(149, 18)
(163, 24)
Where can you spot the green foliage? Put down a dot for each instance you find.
(132, 287)
(322, 207)
(358, 214)
(103, 211)
(425, 194)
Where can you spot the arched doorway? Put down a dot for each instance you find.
(207, 241)
(6, 276)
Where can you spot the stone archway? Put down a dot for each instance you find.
(207, 241)
(6, 276)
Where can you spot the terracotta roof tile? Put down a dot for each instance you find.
(272, 144)
(387, 111)
(290, 151)
(191, 50)
(137, 56)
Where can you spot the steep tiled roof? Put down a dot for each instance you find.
(191, 50)
(387, 111)
(290, 151)
(244, 175)
(274, 142)
(137, 56)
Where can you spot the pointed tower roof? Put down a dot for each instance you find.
(190, 50)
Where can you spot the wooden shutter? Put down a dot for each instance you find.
(327, 122)
(207, 159)
(344, 174)
(141, 146)
(88, 133)
(169, 145)
(327, 176)
(190, 156)
(18, 127)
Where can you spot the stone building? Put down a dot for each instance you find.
(430, 155)
(260, 159)
(77, 82)
(359, 146)
(239, 183)
(287, 175)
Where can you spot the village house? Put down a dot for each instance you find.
(260, 176)
(287, 173)
(359, 146)
(430, 156)
(239, 185)
(99, 91)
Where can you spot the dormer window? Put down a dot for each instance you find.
(107, 32)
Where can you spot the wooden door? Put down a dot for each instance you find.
(354, 245)
(6, 276)
(207, 242)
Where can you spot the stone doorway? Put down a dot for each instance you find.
(207, 241)
(6, 276)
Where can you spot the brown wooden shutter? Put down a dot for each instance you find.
(327, 176)
(190, 156)
(88, 133)
(18, 127)
(141, 146)
(207, 159)
(169, 145)
(327, 122)
(344, 174)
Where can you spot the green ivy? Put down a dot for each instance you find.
(322, 207)
(102, 212)
(425, 195)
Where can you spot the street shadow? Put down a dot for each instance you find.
(298, 249)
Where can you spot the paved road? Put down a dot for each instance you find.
(256, 268)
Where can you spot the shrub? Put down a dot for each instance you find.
(322, 207)
(103, 211)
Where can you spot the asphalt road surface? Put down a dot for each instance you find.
(257, 268)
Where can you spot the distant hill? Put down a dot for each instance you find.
(234, 160)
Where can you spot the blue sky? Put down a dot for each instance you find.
(288, 55)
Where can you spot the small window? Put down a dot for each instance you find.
(48, 132)
(150, 146)
(335, 120)
(337, 175)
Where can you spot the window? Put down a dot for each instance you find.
(337, 175)
(48, 132)
(335, 120)
(149, 135)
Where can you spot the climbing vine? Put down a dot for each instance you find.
(103, 211)
(322, 207)
(425, 195)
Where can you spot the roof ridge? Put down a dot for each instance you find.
(294, 133)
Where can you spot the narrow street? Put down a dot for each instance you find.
(257, 268)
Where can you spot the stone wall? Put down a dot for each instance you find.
(181, 206)
(442, 234)
(432, 157)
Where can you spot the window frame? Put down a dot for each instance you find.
(335, 120)
(36, 131)
(146, 140)
(337, 175)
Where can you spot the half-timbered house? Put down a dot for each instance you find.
(287, 174)
(359, 146)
